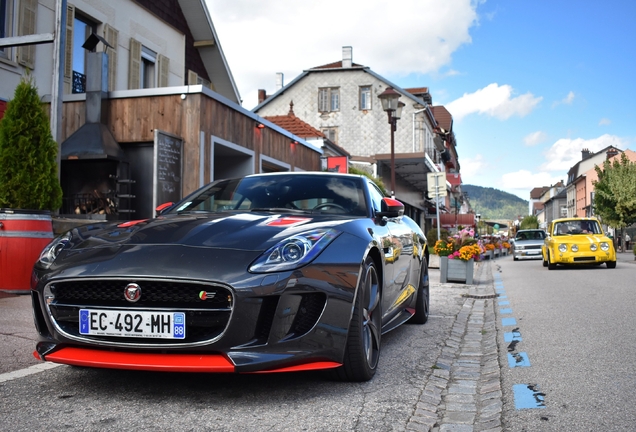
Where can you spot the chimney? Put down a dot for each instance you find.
(94, 140)
(585, 153)
(279, 81)
(611, 152)
(262, 95)
(347, 57)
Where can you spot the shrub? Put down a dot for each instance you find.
(28, 154)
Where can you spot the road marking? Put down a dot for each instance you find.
(512, 336)
(41, 367)
(527, 396)
(508, 322)
(505, 311)
(518, 360)
(504, 303)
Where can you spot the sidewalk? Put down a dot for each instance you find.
(463, 393)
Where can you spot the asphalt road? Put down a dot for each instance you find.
(577, 331)
(69, 398)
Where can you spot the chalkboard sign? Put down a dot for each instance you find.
(167, 168)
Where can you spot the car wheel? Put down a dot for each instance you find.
(514, 258)
(551, 265)
(611, 264)
(362, 352)
(545, 263)
(423, 298)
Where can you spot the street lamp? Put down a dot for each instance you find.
(393, 107)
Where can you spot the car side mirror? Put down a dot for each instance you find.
(390, 208)
(163, 207)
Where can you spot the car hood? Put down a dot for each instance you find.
(582, 238)
(240, 231)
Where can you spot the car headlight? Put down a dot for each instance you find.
(604, 246)
(593, 247)
(52, 250)
(575, 248)
(294, 252)
(563, 247)
(519, 247)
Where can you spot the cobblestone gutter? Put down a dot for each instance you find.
(463, 393)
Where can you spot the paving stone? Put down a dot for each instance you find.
(459, 417)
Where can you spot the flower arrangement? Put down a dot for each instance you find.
(489, 246)
(461, 246)
(506, 245)
(444, 247)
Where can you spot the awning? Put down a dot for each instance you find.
(412, 167)
(451, 220)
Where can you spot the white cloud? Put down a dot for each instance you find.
(262, 38)
(566, 100)
(495, 101)
(472, 167)
(566, 152)
(534, 138)
(527, 180)
(604, 122)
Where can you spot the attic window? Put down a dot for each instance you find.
(331, 133)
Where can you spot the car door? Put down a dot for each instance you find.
(397, 246)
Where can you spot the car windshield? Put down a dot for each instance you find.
(294, 193)
(572, 227)
(530, 235)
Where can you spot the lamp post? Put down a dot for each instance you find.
(393, 107)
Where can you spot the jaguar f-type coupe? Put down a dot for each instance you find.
(266, 273)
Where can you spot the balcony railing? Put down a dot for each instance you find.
(79, 82)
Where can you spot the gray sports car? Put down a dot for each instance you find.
(267, 273)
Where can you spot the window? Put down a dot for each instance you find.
(27, 19)
(82, 29)
(365, 98)
(376, 197)
(147, 69)
(5, 25)
(331, 133)
(328, 99)
(148, 61)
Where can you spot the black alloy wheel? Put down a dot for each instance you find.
(551, 265)
(362, 352)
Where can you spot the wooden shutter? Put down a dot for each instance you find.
(323, 100)
(111, 35)
(193, 77)
(163, 64)
(26, 26)
(134, 66)
(68, 49)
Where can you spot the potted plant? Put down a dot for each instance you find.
(29, 185)
(459, 256)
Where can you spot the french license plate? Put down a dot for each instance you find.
(165, 325)
(531, 253)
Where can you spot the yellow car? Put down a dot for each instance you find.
(572, 241)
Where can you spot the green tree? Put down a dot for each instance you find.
(615, 192)
(28, 154)
(529, 222)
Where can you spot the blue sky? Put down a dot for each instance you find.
(530, 83)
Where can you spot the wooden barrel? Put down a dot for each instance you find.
(23, 235)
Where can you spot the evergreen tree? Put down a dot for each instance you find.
(529, 222)
(28, 154)
(615, 192)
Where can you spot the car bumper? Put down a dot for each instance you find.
(582, 259)
(527, 254)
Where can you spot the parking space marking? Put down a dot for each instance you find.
(518, 360)
(508, 322)
(527, 396)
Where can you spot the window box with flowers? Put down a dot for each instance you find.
(457, 257)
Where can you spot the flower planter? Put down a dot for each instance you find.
(489, 254)
(23, 235)
(496, 253)
(456, 270)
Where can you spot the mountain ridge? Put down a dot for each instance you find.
(493, 203)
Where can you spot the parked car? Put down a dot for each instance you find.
(267, 273)
(527, 244)
(577, 241)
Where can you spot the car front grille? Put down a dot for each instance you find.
(532, 247)
(206, 318)
(584, 259)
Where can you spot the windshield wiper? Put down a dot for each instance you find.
(279, 210)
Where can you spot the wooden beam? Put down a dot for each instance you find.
(204, 43)
(27, 40)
